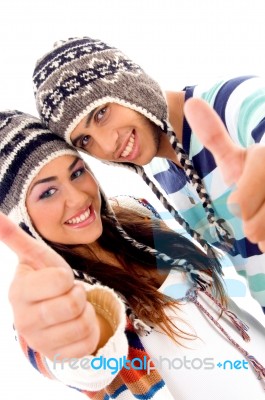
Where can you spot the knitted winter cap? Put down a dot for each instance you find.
(25, 147)
(81, 74)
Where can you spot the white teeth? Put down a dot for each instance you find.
(129, 147)
(80, 218)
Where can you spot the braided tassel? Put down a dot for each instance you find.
(239, 325)
(258, 368)
(141, 328)
(192, 295)
(199, 278)
(224, 236)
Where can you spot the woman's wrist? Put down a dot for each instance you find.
(110, 312)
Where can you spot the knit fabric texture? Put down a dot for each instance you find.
(129, 383)
(79, 75)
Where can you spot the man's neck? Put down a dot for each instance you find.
(175, 101)
(166, 150)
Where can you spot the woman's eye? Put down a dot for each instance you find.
(78, 173)
(100, 114)
(47, 193)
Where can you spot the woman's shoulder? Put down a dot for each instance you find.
(137, 204)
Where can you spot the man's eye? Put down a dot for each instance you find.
(47, 193)
(100, 114)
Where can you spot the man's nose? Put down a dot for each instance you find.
(106, 141)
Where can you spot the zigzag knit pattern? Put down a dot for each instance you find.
(129, 383)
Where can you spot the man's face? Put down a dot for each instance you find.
(116, 133)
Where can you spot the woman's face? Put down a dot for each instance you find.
(64, 202)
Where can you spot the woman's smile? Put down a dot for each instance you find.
(82, 219)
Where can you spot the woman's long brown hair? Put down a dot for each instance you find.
(134, 280)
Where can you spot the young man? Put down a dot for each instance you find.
(99, 100)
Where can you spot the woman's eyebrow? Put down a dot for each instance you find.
(74, 163)
(49, 179)
(53, 178)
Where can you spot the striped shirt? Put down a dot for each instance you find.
(240, 102)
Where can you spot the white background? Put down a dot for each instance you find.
(179, 43)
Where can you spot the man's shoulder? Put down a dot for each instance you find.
(224, 86)
(156, 166)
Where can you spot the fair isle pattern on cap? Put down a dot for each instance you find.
(82, 74)
(25, 147)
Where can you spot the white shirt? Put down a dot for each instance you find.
(192, 372)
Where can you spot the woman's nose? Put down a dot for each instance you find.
(75, 197)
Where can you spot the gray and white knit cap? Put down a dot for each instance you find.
(81, 74)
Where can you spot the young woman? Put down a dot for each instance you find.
(136, 311)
